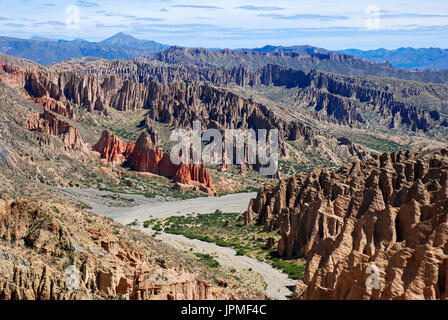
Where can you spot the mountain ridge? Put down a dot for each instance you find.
(48, 51)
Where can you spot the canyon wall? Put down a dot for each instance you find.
(339, 99)
(389, 211)
(49, 123)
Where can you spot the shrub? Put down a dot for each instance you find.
(241, 252)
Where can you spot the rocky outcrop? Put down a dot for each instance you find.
(111, 148)
(55, 106)
(327, 62)
(12, 76)
(37, 241)
(25, 78)
(146, 157)
(345, 100)
(176, 104)
(49, 123)
(87, 91)
(389, 212)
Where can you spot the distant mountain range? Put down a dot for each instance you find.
(48, 51)
(402, 58)
(304, 49)
(338, 63)
(406, 58)
(122, 46)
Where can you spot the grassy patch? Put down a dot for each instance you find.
(224, 230)
(376, 143)
(293, 268)
(208, 260)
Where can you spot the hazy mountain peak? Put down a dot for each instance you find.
(121, 39)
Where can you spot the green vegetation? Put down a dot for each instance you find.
(117, 197)
(375, 143)
(293, 268)
(133, 224)
(225, 230)
(208, 260)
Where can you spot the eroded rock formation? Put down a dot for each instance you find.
(49, 123)
(146, 157)
(111, 265)
(112, 148)
(390, 211)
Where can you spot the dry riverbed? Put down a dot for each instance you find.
(277, 284)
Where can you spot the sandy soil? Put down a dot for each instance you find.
(279, 286)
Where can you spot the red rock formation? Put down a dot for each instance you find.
(129, 149)
(165, 166)
(389, 211)
(12, 76)
(146, 157)
(110, 147)
(40, 94)
(55, 106)
(49, 123)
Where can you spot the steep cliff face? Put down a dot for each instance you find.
(87, 91)
(180, 104)
(111, 265)
(55, 106)
(388, 211)
(111, 148)
(49, 123)
(44, 95)
(11, 75)
(146, 157)
(351, 101)
(345, 100)
(143, 70)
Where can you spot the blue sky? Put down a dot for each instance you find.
(237, 23)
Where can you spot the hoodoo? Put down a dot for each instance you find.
(389, 211)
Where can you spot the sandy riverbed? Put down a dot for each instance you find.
(278, 284)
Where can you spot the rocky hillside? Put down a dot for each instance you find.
(389, 211)
(39, 241)
(330, 62)
(345, 100)
(177, 104)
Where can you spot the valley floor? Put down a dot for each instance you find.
(277, 285)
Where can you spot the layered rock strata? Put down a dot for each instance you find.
(49, 123)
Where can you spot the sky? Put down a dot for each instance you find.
(330, 24)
